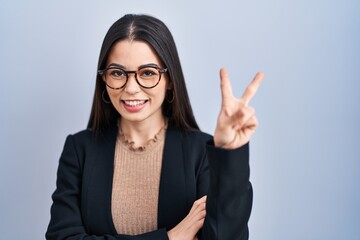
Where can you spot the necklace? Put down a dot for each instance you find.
(131, 144)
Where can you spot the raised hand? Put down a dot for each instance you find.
(236, 121)
(191, 224)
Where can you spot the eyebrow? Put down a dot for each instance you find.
(116, 65)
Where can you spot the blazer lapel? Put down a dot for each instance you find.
(99, 187)
(172, 194)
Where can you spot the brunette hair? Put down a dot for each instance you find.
(154, 32)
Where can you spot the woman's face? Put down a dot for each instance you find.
(134, 103)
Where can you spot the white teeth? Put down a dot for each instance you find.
(134, 103)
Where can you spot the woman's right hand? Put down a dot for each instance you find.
(191, 224)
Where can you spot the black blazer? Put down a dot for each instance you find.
(191, 168)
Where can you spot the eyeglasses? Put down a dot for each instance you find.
(147, 76)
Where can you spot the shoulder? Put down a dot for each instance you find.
(193, 139)
(82, 137)
(196, 136)
(88, 147)
(85, 134)
(87, 138)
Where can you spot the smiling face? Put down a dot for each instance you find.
(134, 103)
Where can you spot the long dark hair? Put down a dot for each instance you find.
(157, 35)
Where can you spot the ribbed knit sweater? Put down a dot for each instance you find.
(136, 185)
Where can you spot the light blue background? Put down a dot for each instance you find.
(305, 156)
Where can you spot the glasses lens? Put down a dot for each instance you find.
(148, 77)
(115, 77)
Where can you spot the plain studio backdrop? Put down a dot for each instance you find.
(305, 155)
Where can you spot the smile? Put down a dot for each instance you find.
(134, 103)
(133, 106)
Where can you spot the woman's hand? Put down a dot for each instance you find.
(236, 121)
(191, 224)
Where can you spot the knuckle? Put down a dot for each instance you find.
(198, 225)
(203, 214)
(256, 121)
(251, 110)
(241, 113)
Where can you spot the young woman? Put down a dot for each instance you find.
(143, 169)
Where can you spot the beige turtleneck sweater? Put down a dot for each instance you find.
(136, 182)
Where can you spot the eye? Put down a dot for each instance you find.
(148, 73)
(116, 73)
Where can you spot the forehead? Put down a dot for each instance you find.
(132, 54)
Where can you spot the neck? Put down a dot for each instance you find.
(141, 132)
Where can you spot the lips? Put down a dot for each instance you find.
(133, 105)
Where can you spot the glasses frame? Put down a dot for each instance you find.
(102, 73)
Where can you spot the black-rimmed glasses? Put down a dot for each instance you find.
(146, 76)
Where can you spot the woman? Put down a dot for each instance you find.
(143, 169)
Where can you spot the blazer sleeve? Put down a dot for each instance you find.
(229, 200)
(66, 218)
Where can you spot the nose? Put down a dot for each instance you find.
(132, 86)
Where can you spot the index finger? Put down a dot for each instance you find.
(252, 88)
(225, 84)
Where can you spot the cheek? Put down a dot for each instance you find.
(161, 95)
(113, 95)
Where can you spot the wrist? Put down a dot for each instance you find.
(170, 234)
